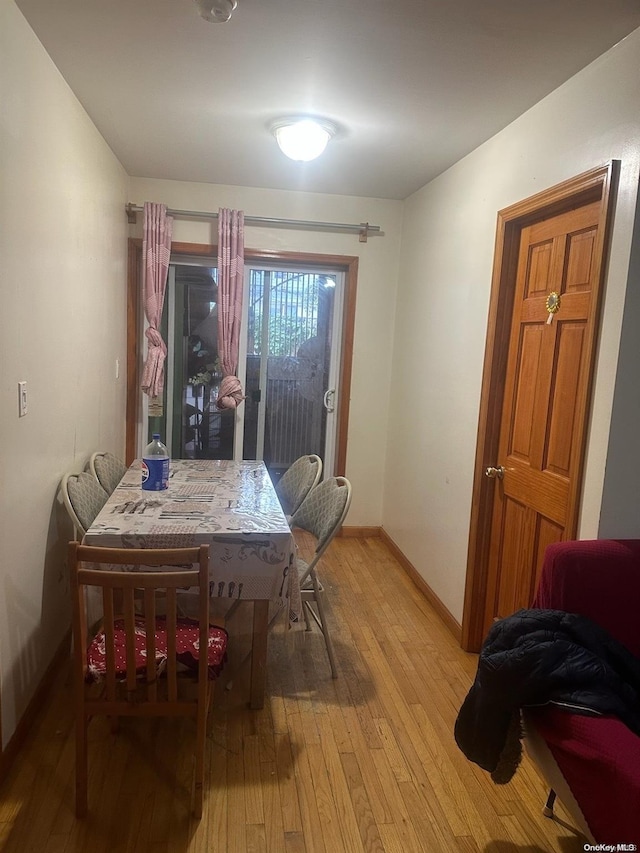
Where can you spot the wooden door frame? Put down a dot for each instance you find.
(347, 263)
(592, 186)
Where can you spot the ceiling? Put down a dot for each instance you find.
(413, 85)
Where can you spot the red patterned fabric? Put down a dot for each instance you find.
(599, 579)
(187, 648)
(598, 756)
(600, 759)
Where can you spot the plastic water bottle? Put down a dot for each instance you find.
(155, 465)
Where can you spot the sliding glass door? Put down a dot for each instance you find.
(292, 350)
(190, 422)
(288, 364)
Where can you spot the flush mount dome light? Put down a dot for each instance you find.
(216, 11)
(302, 138)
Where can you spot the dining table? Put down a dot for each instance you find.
(229, 505)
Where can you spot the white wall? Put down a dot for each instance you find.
(377, 278)
(445, 276)
(62, 326)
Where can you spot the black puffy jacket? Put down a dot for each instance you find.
(537, 657)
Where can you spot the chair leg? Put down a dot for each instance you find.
(323, 625)
(306, 617)
(201, 740)
(81, 764)
(547, 811)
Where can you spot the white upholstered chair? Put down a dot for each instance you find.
(297, 481)
(107, 469)
(83, 497)
(321, 513)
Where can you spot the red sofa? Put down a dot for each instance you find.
(593, 763)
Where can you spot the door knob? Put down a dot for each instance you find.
(494, 473)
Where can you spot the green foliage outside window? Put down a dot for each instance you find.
(293, 308)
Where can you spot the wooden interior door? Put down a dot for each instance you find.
(544, 412)
(550, 254)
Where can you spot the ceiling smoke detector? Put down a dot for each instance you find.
(216, 11)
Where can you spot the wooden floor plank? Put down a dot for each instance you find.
(254, 805)
(366, 762)
(367, 827)
(274, 827)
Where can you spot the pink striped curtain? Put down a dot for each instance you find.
(156, 251)
(230, 284)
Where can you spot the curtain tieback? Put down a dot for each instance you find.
(230, 395)
(155, 339)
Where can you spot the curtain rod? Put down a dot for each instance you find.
(363, 229)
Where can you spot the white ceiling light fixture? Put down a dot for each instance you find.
(302, 138)
(216, 11)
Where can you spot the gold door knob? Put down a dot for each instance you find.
(494, 473)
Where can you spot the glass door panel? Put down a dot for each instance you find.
(199, 429)
(289, 359)
(290, 324)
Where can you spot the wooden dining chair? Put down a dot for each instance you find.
(321, 513)
(133, 663)
(297, 481)
(107, 469)
(83, 497)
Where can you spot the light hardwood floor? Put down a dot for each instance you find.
(363, 763)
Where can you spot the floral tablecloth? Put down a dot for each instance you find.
(230, 506)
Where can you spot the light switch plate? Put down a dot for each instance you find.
(22, 399)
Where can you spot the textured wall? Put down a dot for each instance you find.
(62, 327)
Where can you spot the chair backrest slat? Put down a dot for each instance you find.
(172, 680)
(130, 639)
(203, 616)
(150, 621)
(109, 641)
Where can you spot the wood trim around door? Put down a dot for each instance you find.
(596, 185)
(347, 263)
